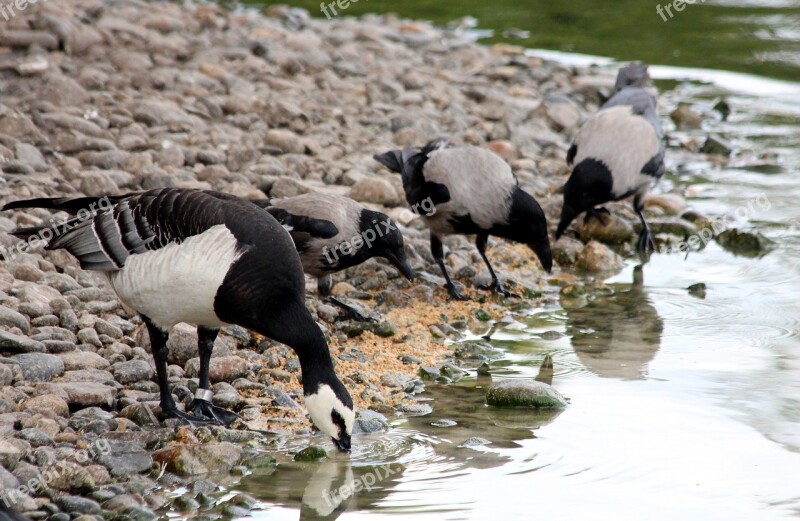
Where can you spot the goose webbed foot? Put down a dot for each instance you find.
(645, 245)
(350, 313)
(186, 419)
(213, 414)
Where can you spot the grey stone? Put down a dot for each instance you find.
(524, 393)
(10, 318)
(19, 344)
(78, 504)
(132, 371)
(39, 367)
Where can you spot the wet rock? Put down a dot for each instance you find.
(685, 118)
(545, 374)
(39, 367)
(475, 351)
(524, 393)
(428, 373)
(10, 342)
(566, 250)
(717, 146)
(311, 453)
(193, 460)
(475, 441)
(609, 229)
(697, 290)
(723, 108)
(371, 421)
(744, 243)
(597, 257)
(444, 423)
(671, 204)
(673, 226)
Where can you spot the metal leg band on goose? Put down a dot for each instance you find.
(203, 394)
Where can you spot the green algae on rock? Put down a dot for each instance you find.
(525, 393)
(311, 453)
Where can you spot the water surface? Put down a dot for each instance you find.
(682, 406)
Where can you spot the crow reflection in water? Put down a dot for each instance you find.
(616, 336)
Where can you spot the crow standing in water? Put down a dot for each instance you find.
(619, 152)
(474, 193)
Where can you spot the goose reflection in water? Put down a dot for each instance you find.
(617, 335)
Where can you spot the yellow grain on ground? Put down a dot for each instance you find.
(382, 357)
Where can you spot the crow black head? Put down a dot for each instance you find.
(589, 185)
(382, 238)
(527, 224)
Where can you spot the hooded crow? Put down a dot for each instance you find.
(474, 192)
(617, 153)
(333, 233)
(210, 259)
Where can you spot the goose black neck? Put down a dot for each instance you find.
(315, 360)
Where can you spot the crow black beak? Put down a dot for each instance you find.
(342, 444)
(567, 215)
(399, 261)
(542, 250)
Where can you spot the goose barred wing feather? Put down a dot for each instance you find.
(136, 223)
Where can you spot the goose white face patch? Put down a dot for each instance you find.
(179, 282)
(322, 404)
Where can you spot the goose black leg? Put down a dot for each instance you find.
(158, 343)
(495, 286)
(645, 244)
(437, 250)
(202, 406)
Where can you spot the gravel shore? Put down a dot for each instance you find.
(110, 97)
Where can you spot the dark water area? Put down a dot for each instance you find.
(759, 37)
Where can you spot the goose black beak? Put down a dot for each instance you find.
(343, 444)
